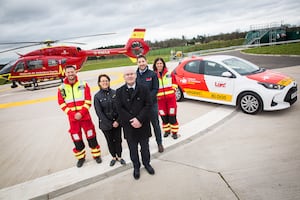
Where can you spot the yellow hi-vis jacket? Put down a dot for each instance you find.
(75, 98)
(167, 84)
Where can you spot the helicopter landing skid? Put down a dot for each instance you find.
(42, 85)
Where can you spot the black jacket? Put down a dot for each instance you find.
(106, 108)
(139, 106)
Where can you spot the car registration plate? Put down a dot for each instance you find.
(293, 95)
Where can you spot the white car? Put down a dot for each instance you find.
(234, 81)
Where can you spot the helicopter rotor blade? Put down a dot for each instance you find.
(8, 43)
(75, 43)
(94, 35)
(48, 42)
(7, 50)
(31, 44)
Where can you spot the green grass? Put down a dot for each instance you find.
(283, 49)
(106, 63)
(153, 54)
(3, 81)
(116, 62)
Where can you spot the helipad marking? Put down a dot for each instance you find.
(51, 98)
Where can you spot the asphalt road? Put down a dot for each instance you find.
(266, 61)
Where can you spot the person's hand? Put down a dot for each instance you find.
(78, 116)
(135, 123)
(115, 124)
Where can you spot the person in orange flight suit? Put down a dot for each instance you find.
(74, 98)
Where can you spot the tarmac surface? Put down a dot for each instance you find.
(222, 154)
(240, 157)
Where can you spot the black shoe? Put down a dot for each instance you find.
(112, 162)
(166, 134)
(160, 148)
(174, 136)
(122, 161)
(98, 160)
(80, 162)
(150, 169)
(136, 174)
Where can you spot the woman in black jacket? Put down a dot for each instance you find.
(105, 106)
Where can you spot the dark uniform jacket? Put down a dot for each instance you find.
(106, 108)
(137, 105)
(149, 79)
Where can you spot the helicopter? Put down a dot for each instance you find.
(47, 64)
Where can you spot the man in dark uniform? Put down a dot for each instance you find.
(133, 105)
(148, 78)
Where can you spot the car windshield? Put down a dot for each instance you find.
(242, 67)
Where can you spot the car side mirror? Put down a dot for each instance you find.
(227, 74)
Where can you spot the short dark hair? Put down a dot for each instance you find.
(156, 60)
(102, 75)
(70, 66)
(141, 56)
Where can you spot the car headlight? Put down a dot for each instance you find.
(272, 86)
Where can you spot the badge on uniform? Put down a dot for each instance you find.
(149, 79)
(80, 87)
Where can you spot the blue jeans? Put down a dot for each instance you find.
(155, 123)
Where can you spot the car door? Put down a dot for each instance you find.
(192, 81)
(220, 88)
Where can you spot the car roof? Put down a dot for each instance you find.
(217, 57)
(210, 57)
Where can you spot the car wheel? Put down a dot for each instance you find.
(250, 103)
(178, 94)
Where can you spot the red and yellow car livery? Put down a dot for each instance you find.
(234, 81)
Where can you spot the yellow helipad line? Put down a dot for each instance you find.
(5, 89)
(119, 80)
(21, 103)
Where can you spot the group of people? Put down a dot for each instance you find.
(146, 95)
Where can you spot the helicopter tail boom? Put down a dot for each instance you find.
(134, 47)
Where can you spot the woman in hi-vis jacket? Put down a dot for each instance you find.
(167, 106)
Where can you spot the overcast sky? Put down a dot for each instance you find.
(36, 20)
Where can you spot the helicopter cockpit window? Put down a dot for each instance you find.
(20, 67)
(52, 62)
(34, 64)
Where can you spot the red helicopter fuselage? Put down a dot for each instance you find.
(48, 63)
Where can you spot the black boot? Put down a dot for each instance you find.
(98, 160)
(166, 134)
(80, 162)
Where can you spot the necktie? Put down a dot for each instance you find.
(130, 90)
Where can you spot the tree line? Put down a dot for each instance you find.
(200, 39)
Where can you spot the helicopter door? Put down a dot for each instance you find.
(20, 67)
